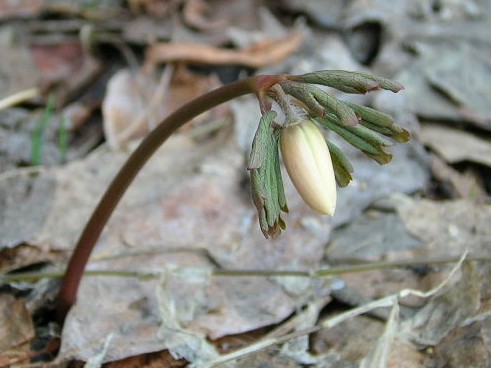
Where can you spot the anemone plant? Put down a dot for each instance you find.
(314, 164)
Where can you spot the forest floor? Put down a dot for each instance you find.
(400, 276)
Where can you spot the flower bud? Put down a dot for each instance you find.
(308, 163)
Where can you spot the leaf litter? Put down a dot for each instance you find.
(178, 223)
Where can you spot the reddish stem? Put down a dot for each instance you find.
(76, 266)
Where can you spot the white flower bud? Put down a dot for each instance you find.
(308, 162)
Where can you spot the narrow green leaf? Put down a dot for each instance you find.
(260, 141)
(342, 167)
(385, 83)
(281, 190)
(349, 82)
(301, 92)
(266, 182)
(37, 140)
(346, 115)
(360, 137)
(372, 115)
(380, 122)
(272, 205)
(396, 132)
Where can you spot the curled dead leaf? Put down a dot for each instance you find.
(195, 13)
(259, 55)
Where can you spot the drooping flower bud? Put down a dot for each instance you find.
(308, 163)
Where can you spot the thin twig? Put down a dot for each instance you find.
(19, 97)
(146, 275)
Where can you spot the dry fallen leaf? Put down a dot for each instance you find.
(17, 66)
(456, 145)
(27, 196)
(22, 8)
(444, 312)
(134, 104)
(187, 199)
(16, 326)
(462, 185)
(259, 55)
(351, 340)
(196, 14)
(126, 108)
(467, 346)
(447, 228)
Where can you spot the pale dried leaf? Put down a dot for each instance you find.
(96, 360)
(446, 311)
(379, 354)
(371, 238)
(187, 199)
(350, 340)
(447, 228)
(465, 185)
(456, 145)
(22, 8)
(259, 55)
(175, 313)
(16, 64)
(16, 326)
(25, 201)
(450, 81)
(467, 346)
(299, 349)
(129, 108)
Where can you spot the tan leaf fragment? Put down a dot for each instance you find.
(463, 185)
(447, 228)
(129, 108)
(456, 145)
(446, 311)
(188, 198)
(195, 14)
(259, 55)
(16, 326)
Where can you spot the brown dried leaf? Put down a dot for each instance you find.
(188, 198)
(134, 104)
(21, 8)
(152, 360)
(446, 311)
(456, 145)
(351, 339)
(260, 55)
(196, 15)
(17, 66)
(447, 228)
(467, 346)
(25, 202)
(16, 326)
(126, 108)
(186, 86)
(464, 185)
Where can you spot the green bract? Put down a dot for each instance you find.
(266, 182)
(314, 164)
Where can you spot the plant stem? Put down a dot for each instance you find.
(223, 272)
(75, 269)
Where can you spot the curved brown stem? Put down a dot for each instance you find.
(76, 266)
